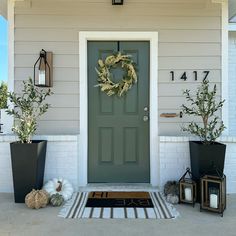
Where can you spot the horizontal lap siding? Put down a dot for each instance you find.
(232, 83)
(189, 39)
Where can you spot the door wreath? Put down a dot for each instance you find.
(105, 77)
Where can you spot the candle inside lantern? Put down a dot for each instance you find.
(42, 77)
(188, 194)
(213, 200)
(214, 195)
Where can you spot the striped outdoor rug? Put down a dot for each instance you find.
(76, 208)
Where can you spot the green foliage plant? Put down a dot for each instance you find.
(28, 107)
(3, 95)
(204, 105)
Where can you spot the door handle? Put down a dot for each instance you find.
(145, 118)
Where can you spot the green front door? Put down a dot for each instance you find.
(118, 133)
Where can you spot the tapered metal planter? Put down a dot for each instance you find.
(205, 160)
(28, 164)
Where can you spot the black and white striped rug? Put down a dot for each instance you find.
(76, 208)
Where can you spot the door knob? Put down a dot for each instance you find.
(145, 118)
(145, 108)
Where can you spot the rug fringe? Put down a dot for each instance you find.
(66, 207)
(171, 207)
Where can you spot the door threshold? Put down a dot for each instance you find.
(118, 187)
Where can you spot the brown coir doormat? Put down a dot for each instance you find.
(118, 205)
(119, 199)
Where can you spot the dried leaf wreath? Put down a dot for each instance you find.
(105, 77)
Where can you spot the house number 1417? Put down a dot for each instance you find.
(185, 77)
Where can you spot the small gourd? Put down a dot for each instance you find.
(61, 186)
(173, 199)
(56, 199)
(37, 199)
(171, 187)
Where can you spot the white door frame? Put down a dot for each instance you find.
(84, 37)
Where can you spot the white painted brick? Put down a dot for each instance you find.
(172, 156)
(173, 170)
(169, 162)
(62, 160)
(182, 149)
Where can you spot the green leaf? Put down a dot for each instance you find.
(204, 105)
(28, 107)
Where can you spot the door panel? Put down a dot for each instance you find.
(118, 143)
(130, 138)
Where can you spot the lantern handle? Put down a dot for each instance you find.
(188, 171)
(219, 173)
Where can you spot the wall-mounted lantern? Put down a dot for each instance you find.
(117, 2)
(43, 69)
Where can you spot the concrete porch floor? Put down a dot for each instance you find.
(17, 219)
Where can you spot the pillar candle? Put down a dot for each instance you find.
(213, 200)
(42, 77)
(188, 194)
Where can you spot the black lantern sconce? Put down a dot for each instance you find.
(43, 69)
(117, 2)
(187, 188)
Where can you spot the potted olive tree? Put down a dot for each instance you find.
(206, 155)
(3, 106)
(27, 155)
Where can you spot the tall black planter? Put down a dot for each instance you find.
(205, 159)
(28, 164)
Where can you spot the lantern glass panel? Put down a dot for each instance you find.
(42, 72)
(188, 195)
(214, 197)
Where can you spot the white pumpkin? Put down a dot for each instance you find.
(61, 186)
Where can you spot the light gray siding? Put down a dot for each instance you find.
(189, 40)
(232, 83)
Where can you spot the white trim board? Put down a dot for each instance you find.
(224, 64)
(84, 37)
(11, 52)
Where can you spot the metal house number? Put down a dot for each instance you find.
(185, 77)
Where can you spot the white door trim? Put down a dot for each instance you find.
(225, 63)
(84, 37)
(11, 56)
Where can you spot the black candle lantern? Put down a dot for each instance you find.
(43, 69)
(213, 193)
(187, 188)
(117, 2)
